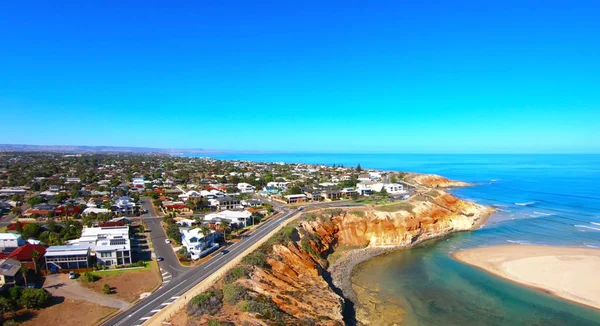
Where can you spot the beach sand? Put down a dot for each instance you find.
(566, 272)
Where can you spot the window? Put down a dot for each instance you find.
(105, 254)
(118, 241)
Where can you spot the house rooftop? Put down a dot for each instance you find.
(9, 267)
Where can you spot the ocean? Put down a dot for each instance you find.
(540, 199)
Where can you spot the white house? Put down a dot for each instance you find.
(124, 205)
(198, 244)
(391, 188)
(245, 187)
(10, 241)
(95, 210)
(190, 195)
(111, 244)
(277, 184)
(185, 222)
(240, 218)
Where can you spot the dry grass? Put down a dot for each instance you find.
(69, 312)
(395, 207)
(127, 285)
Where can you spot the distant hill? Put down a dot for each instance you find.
(95, 149)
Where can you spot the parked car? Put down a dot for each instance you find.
(159, 258)
(32, 285)
(167, 241)
(72, 275)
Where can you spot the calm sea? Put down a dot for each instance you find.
(541, 199)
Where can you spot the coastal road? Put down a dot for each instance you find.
(188, 278)
(170, 264)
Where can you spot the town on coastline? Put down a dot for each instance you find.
(82, 216)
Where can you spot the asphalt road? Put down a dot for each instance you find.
(188, 278)
(162, 249)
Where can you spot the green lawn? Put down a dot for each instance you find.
(123, 270)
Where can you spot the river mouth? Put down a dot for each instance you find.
(425, 286)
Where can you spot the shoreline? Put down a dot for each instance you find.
(538, 260)
(342, 270)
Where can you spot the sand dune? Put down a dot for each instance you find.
(567, 272)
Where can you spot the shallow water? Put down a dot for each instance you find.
(541, 199)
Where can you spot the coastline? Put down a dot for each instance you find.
(342, 270)
(556, 271)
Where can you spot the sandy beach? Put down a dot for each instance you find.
(566, 272)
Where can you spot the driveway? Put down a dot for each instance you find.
(61, 286)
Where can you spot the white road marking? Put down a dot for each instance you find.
(165, 303)
(155, 310)
(145, 318)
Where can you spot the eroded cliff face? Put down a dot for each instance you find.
(294, 274)
(433, 181)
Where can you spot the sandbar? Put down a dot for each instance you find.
(567, 272)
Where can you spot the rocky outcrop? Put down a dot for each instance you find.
(290, 272)
(433, 181)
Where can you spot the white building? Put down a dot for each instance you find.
(198, 244)
(95, 210)
(10, 241)
(111, 244)
(391, 188)
(245, 187)
(124, 205)
(190, 195)
(240, 218)
(277, 184)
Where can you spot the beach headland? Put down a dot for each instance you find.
(560, 271)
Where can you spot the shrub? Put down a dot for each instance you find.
(34, 298)
(358, 213)
(208, 302)
(173, 233)
(235, 274)
(256, 258)
(89, 277)
(15, 292)
(106, 289)
(265, 308)
(182, 253)
(233, 293)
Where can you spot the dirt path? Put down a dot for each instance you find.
(61, 286)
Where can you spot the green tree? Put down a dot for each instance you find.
(60, 197)
(32, 201)
(173, 233)
(5, 307)
(34, 298)
(24, 271)
(358, 168)
(35, 255)
(224, 227)
(31, 230)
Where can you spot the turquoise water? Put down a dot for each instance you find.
(541, 199)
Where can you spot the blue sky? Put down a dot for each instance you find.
(397, 77)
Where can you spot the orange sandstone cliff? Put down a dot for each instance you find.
(433, 181)
(287, 280)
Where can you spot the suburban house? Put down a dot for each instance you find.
(24, 254)
(331, 194)
(291, 199)
(198, 244)
(277, 184)
(110, 243)
(186, 222)
(73, 180)
(124, 205)
(251, 203)
(9, 268)
(390, 188)
(348, 192)
(54, 188)
(10, 241)
(190, 195)
(238, 218)
(313, 195)
(93, 210)
(227, 203)
(245, 187)
(67, 257)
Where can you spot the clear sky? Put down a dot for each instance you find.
(323, 76)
